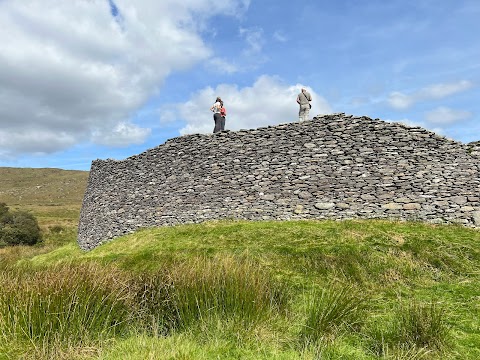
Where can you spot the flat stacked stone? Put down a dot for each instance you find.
(336, 166)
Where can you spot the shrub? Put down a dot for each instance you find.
(5, 216)
(18, 228)
(3, 209)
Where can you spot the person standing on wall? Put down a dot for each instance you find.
(303, 99)
(217, 117)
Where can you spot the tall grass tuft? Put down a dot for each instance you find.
(157, 313)
(329, 311)
(414, 329)
(423, 325)
(67, 304)
(226, 288)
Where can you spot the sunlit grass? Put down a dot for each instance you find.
(413, 328)
(331, 311)
(276, 290)
(69, 304)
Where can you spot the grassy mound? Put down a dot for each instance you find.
(250, 290)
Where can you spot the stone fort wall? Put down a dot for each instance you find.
(333, 167)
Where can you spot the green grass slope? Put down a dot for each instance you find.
(253, 290)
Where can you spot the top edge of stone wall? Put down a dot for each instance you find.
(327, 119)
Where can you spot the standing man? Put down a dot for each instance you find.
(303, 99)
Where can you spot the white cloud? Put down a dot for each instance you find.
(446, 116)
(406, 122)
(439, 91)
(122, 134)
(267, 102)
(254, 38)
(67, 66)
(401, 101)
(250, 57)
(223, 66)
(280, 36)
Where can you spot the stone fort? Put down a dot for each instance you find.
(333, 167)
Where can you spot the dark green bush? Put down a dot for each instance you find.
(5, 215)
(18, 227)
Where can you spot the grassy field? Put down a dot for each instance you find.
(54, 196)
(242, 290)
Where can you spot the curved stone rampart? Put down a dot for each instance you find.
(336, 167)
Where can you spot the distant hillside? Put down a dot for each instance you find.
(26, 186)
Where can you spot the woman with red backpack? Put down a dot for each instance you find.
(219, 114)
(223, 113)
(217, 117)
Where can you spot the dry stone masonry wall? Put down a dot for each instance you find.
(333, 167)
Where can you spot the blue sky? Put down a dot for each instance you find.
(83, 80)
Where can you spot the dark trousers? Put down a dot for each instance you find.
(218, 122)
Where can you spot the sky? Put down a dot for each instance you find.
(107, 79)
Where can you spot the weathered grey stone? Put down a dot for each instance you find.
(412, 206)
(392, 206)
(368, 197)
(476, 218)
(460, 200)
(268, 197)
(299, 209)
(337, 166)
(304, 195)
(324, 206)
